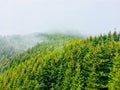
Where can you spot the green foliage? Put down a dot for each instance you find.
(11, 57)
(65, 63)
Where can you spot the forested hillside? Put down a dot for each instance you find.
(52, 41)
(66, 63)
(15, 44)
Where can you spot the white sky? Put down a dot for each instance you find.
(83, 16)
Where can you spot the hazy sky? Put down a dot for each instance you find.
(83, 16)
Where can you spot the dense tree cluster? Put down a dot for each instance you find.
(66, 64)
(14, 57)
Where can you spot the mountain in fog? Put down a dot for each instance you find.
(11, 45)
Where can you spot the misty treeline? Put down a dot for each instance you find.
(65, 63)
(11, 45)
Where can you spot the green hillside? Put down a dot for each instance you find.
(12, 45)
(50, 41)
(66, 63)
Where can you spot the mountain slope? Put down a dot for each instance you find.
(52, 41)
(11, 45)
(91, 64)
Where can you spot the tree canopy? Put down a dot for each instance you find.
(66, 63)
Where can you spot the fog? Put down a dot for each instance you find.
(19, 43)
(88, 17)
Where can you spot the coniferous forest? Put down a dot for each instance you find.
(63, 62)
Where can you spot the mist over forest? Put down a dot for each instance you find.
(59, 44)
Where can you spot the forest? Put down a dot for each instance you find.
(63, 62)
